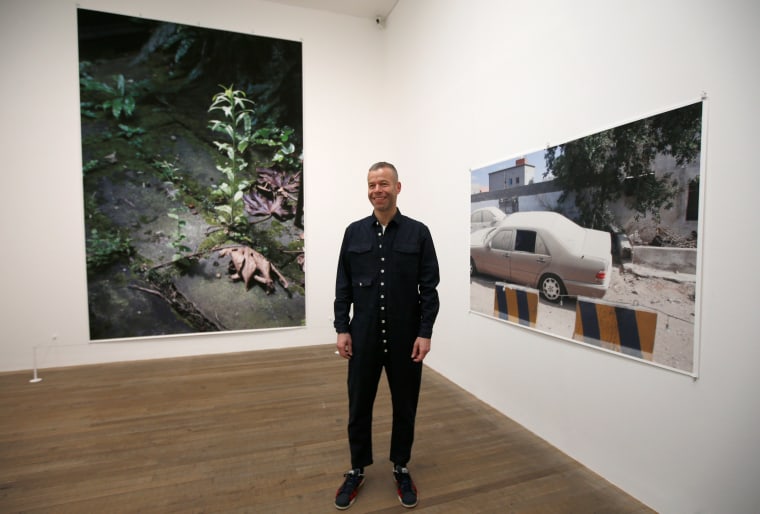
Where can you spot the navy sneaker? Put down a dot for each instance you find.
(346, 494)
(407, 492)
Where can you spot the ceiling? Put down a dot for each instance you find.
(358, 8)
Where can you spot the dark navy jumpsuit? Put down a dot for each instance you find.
(389, 278)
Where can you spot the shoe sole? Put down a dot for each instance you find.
(407, 505)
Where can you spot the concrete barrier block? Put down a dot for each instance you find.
(619, 327)
(515, 303)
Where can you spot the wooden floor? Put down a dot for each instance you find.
(263, 432)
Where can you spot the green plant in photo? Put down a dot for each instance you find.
(89, 166)
(133, 135)
(122, 101)
(128, 132)
(236, 127)
(117, 97)
(180, 249)
(169, 171)
(279, 142)
(105, 247)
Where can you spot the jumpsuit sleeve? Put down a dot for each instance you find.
(343, 289)
(428, 282)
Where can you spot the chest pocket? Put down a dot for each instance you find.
(360, 259)
(407, 257)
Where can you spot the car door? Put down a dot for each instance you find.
(529, 258)
(496, 258)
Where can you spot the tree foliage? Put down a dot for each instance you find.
(603, 167)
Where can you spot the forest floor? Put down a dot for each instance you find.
(148, 294)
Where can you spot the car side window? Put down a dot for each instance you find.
(502, 240)
(475, 217)
(525, 241)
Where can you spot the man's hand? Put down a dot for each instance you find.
(421, 349)
(344, 345)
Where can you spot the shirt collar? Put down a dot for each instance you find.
(397, 218)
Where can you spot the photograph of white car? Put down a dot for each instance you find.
(546, 251)
(602, 234)
(485, 218)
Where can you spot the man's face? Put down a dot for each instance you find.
(383, 189)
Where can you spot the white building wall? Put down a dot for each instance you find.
(644, 229)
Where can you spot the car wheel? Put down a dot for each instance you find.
(472, 267)
(551, 288)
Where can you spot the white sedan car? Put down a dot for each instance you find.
(547, 251)
(485, 217)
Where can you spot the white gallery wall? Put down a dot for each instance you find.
(482, 81)
(445, 87)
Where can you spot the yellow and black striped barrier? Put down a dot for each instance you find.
(624, 329)
(515, 303)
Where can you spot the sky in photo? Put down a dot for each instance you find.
(479, 176)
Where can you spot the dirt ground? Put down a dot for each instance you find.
(670, 295)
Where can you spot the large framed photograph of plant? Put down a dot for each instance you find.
(597, 240)
(192, 176)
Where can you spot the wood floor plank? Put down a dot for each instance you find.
(263, 432)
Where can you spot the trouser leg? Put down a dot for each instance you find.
(364, 371)
(404, 379)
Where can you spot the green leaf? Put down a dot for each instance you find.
(226, 209)
(129, 105)
(116, 106)
(120, 83)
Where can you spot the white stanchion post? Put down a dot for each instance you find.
(34, 359)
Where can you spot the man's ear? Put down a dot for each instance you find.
(398, 187)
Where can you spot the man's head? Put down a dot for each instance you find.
(382, 189)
